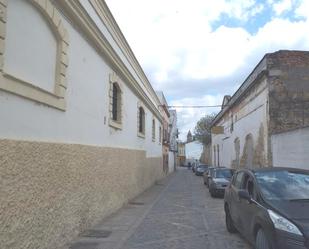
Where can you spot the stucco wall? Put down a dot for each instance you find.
(85, 120)
(171, 161)
(291, 149)
(50, 192)
(61, 169)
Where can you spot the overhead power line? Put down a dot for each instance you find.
(193, 106)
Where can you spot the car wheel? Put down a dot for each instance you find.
(229, 222)
(261, 241)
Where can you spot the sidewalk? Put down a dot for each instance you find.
(175, 213)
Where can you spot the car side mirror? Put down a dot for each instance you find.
(243, 194)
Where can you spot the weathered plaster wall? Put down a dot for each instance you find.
(291, 149)
(50, 192)
(249, 117)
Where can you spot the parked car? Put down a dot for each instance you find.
(201, 169)
(219, 180)
(207, 174)
(269, 207)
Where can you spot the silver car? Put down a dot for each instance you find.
(219, 180)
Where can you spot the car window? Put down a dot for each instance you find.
(233, 179)
(248, 184)
(245, 181)
(284, 185)
(223, 173)
(238, 180)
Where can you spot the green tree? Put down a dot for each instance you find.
(202, 131)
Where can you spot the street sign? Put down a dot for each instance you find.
(217, 130)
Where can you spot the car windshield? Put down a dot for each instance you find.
(223, 173)
(203, 166)
(284, 185)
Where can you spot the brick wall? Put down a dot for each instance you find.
(288, 90)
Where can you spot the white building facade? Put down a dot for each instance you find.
(193, 151)
(173, 132)
(265, 123)
(79, 132)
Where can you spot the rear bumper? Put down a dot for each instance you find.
(218, 191)
(199, 173)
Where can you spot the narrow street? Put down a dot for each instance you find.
(176, 213)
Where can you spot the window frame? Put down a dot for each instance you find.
(153, 129)
(114, 81)
(141, 121)
(29, 90)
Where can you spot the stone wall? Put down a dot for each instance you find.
(51, 192)
(288, 91)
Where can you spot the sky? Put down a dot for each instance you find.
(197, 51)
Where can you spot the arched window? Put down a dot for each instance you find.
(141, 120)
(116, 103)
(153, 130)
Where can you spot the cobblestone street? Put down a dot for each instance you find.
(176, 213)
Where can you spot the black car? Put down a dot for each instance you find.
(219, 180)
(199, 171)
(270, 207)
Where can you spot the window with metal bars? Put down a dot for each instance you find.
(153, 130)
(115, 100)
(141, 127)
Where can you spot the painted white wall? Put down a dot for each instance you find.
(291, 149)
(171, 162)
(173, 131)
(193, 150)
(91, 11)
(21, 46)
(249, 119)
(85, 120)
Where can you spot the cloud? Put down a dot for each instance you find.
(195, 64)
(187, 117)
(282, 6)
(303, 9)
